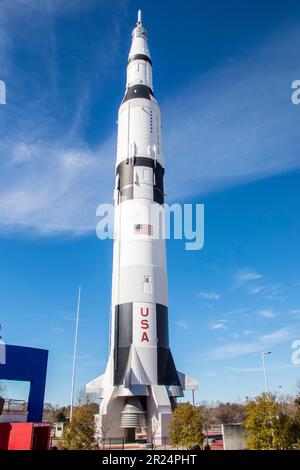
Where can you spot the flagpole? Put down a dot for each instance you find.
(75, 353)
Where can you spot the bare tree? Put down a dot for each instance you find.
(103, 426)
(50, 412)
(230, 413)
(298, 387)
(153, 429)
(215, 414)
(83, 398)
(91, 399)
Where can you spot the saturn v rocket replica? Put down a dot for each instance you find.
(140, 385)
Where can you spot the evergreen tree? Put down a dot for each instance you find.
(266, 426)
(79, 434)
(185, 428)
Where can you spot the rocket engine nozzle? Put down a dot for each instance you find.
(133, 415)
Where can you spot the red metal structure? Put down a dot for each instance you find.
(24, 436)
(215, 440)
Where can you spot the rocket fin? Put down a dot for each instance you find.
(95, 385)
(138, 374)
(187, 382)
(161, 398)
(166, 370)
(135, 373)
(127, 374)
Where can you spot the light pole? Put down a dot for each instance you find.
(281, 399)
(75, 354)
(263, 354)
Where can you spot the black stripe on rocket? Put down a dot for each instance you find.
(166, 370)
(139, 57)
(123, 340)
(125, 171)
(138, 91)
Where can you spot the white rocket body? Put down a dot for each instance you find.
(140, 384)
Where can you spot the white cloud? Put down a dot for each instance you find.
(268, 292)
(271, 367)
(182, 324)
(52, 179)
(242, 130)
(236, 312)
(256, 290)
(58, 330)
(209, 295)
(219, 325)
(59, 193)
(244, 278)
(263, 342)
(248, 276)
(208, 375)
(273, 292)
(236, 335)
(242, 333)
(266, 314)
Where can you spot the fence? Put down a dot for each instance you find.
(121, 443)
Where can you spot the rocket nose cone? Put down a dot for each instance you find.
(139, 31)
(139, 18)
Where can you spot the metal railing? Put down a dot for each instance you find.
(121, 443)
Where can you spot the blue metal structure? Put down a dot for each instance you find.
(28, 365)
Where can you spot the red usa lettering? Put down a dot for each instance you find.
(144, 324)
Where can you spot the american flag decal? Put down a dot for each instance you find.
(143, 229)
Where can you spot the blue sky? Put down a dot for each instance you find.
(222, 74)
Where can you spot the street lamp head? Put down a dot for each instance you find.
(267, 352)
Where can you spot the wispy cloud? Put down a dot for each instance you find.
(182, 324)
(273, 292)
(85, 360)
(208, 375)
(219, 325)
(268, 292)
(266, 341)
(247, 332)
(256, 290)
(52, 178)
(236, 312)
(59, 203)
(244, 131)
(209, 296)
(241, 334)
(272, 367)
(248, 276)
(266, 314)
(245, 277)
(58, 330)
